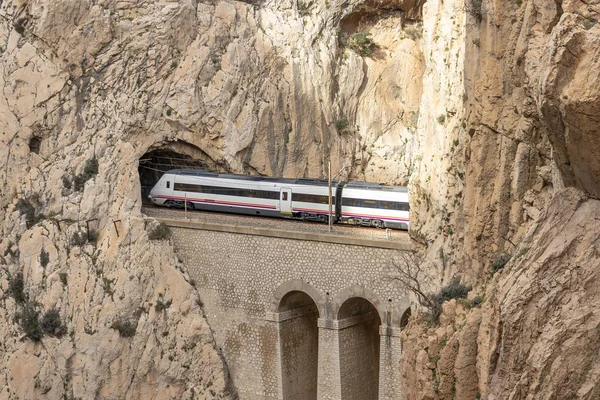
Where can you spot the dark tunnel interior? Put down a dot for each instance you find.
(154, 163)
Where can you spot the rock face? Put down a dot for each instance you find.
(488, 108)
(528, 134)
(536, 334)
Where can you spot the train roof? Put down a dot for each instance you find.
(375, 186)
(207, 173)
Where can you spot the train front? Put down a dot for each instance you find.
(160, 192)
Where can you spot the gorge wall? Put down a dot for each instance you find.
(488, 109)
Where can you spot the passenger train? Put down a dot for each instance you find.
(357, 203)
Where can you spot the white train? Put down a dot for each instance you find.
(358, 203)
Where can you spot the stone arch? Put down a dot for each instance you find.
(359, 342)
(405, 317)
(403, 310)
(298, 285)
(361, 292)
(298, 340)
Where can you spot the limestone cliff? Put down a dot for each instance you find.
(488, 108)
(535, 335)
(529, 126)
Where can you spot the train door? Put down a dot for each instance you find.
(285, 201)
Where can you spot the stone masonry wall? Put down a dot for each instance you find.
(241, 278)
(359, 347)
(299, 354)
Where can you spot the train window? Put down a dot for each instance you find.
(351, 202)
(284, 196)
(187, 187)
(386, 205)
(312, 198)
(168, 184)
(394, 205)
(225, 191)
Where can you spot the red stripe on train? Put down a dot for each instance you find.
(218, 202)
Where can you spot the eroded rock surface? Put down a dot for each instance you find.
(535, 336)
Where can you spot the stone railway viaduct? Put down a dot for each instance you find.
(298, 315)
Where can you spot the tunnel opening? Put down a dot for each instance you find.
(359, 349)
(167, 156)
(299, 343)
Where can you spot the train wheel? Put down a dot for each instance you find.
(377, 224)
(170, 203)
(190, 205)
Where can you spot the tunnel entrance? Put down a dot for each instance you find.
(359, 346)
(299, 343)
(164, 157)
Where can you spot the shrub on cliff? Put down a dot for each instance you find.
(44, 258)
(159, 232)
(124, 327)
(454, 290)
(51, 323)
(89, 171)
(25, 207)
(16, 288)
(29, 320)
(499, 261)
(362, 44)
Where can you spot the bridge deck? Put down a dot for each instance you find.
(282, 228)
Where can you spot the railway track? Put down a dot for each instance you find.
(275, 223)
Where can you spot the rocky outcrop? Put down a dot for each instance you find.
(535, 336)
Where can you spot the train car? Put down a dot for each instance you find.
(310, 199)
(243, 194)
(373, 204)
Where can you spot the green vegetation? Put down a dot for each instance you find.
(441, 119)
(342, 124)
(415, 32)
(52, 325)
(499, 262)
(454, 290)
(107, 286)
(26, 207)
(124, 327)
(159, 232)
(78, 239)
(362, 44)
(44, 258)
(477, 301)
(29, 321)
(16, 288)
(161, 305)
(89, 171)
